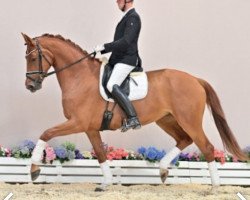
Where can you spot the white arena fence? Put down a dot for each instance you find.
(125, 172)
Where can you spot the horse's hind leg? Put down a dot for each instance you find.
(207, 149)
(191, 123)
(170, 125)
(187, 107)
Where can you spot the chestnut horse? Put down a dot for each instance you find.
(175, 100)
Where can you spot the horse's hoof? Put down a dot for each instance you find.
(163, 174)
(215, 189)
(102, 188)
(99, 189)
(35, 174)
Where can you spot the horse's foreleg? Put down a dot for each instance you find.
(65, 128)
(96, 141)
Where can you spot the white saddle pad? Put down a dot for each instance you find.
(138, 91)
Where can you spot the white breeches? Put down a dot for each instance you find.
(119, 73)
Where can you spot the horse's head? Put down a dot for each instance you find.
(39, 60)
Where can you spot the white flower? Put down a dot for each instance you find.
(87, 154)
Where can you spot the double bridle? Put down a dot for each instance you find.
(40, 70)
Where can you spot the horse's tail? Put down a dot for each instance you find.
(229, 141)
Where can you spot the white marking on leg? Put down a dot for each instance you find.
(108, 177)
(166, 160)
(241, 196)
(9, 196)
(37, 153)
(215, 179)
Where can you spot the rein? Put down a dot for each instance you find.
(40, 71)
(69, 65)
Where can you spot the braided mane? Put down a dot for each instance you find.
(65, 40)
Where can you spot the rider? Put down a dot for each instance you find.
(124, 59)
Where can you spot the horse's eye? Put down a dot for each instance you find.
(33, 59)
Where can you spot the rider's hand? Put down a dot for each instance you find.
(99, 48)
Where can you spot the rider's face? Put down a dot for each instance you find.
(120, 4)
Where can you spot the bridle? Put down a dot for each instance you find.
(40, 71)
(40, 64)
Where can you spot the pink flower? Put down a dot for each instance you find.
(116, 154)
(219, 156)
(111, 156)
(93, 154)
(7, 152)
(50, 154)
(235, 159)
(111, 148)
(222, 160)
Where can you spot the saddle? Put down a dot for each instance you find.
(106, 75)
(135, 87)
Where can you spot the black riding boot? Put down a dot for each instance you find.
(126, 105)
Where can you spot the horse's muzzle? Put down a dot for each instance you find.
(33, 86)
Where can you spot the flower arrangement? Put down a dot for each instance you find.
(48, 155)
(24, 150)
(151, 153)
(194, 156)
(247, 150)
(67, 151)
(118, 153)
(220, 156)
(5, 152)
(80, 155)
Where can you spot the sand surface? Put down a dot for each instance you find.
(118, 192)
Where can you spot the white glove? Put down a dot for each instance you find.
(99, 48)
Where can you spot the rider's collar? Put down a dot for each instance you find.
(124, 13)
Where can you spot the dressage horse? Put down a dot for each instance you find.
(175, 101)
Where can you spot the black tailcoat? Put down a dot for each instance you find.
(124, 48)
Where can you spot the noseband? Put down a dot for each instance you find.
(40, 70)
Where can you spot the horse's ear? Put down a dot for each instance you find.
(28, 40)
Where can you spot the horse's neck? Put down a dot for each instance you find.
(80, 76)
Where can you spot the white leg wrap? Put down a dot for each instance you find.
(215, 179)
(166, 160)
(106, 173)
(37, 153)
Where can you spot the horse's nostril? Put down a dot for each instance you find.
(30, 87)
